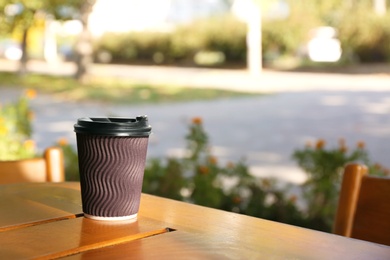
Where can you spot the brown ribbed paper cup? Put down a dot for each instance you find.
(112, 154)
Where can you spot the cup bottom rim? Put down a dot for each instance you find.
(134, 216)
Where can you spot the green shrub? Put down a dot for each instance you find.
(224, 34)
(128, 47)
(366, 36)
(324, 167)
(16, 130)
(199, 178)
(287, 36)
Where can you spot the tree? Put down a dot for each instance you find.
(84, 46)
(21, 14)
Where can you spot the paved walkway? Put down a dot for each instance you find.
(267, 82)
(265, 130)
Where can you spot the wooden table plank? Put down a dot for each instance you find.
(204, 233)
(184, 245)
(245, 237)
(24, 204)
(173, 245)
(61, 238)
(200, 232)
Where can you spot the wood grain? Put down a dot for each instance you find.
(348, 197)
(245, 243)
(372, 217)
(26, 204)
(201, 233)
(102, 244)
(242, 237)
(71, 236)
(364, 206)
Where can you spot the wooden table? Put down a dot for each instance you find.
(45, 221)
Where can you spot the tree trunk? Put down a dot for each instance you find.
(24, 59)
(84, 45)
(83, 55)
(253, 38)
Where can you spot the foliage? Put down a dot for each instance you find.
(179, 46)
(323, 168)
(220, 34)
(288, 35)
(15, 129)
(280, 40)
(363, 35)
(128, 47)
(24, 10)
(18, 16)
(199, 178)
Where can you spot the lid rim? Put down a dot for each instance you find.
(113, 126)
(143, 134)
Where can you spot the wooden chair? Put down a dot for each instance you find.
(364, 206)
(49, 168)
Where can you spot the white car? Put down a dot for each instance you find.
(10, 50)
(323, 45)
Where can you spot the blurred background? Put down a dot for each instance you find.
(198, 33)
(267, 80)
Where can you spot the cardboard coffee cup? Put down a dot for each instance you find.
(112, 154)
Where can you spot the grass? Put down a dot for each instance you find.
(112, 90)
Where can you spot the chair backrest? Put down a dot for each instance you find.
(364, 206)
(49, 168)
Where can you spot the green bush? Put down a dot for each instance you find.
(366, 36)
(324, 167)
(200, 179)
(129, 47)
(287, 36)
(223, 34)
(363, 34)
(16, 130)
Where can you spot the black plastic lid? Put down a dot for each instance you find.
(113, 126)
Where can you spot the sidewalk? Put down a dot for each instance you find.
(267, 82)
